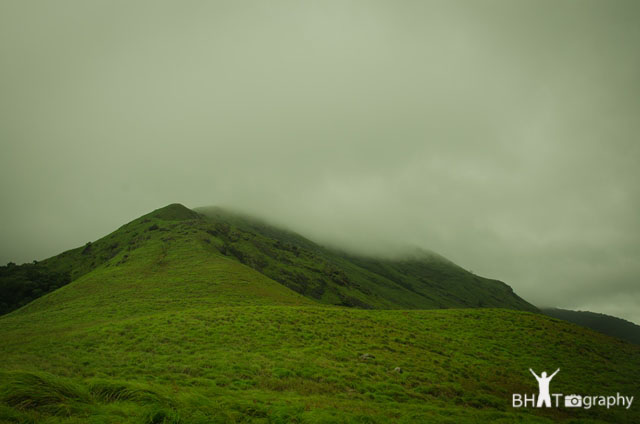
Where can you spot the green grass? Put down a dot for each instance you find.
(169, 330)
(303, 364)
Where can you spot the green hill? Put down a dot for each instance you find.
(606, 324)
(159, 326)
(424, 280)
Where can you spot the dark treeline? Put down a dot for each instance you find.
(20, 284)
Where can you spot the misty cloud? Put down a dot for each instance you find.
(500, 134)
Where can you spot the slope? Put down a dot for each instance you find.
(606, 324)
(423, 280)
(281, 364)
(161, 251)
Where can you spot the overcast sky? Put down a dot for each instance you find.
(501, 134)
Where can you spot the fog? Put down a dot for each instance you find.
(500, 134)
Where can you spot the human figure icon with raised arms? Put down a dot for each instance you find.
(543, 383)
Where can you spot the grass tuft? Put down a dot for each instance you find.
(110, 391)
(28, 391)
(158, 415)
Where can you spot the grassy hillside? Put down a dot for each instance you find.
(606, 324)
(326, 276)
(156, 264)
(301, 364)
(425, 280)
(20, 284)
(160, 327)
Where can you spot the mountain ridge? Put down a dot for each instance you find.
(409, 290)
(322, 274)
(603, 323)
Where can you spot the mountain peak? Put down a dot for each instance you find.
(174, 212)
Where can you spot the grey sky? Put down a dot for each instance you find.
(503, 135)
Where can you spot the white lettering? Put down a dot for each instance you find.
(516, 400)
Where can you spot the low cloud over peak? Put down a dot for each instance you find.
(500, 135)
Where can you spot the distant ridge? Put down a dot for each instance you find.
(606, 324)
